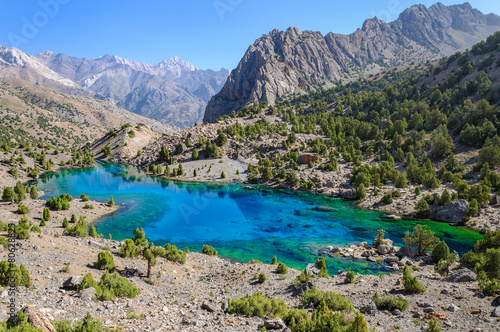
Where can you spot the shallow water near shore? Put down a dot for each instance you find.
(241, 224)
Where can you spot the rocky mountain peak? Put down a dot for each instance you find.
(281, 63)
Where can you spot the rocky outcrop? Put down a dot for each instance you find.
(37, 320)
(462, 275)
(307, 157)
(285, 62)
(453, 212)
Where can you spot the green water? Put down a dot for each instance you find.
(241, 224)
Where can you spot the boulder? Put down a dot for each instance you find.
(496, 312)
(453, 212)
(384, 249)
(462, 275)
(72, 282)
(274, 324)
(87, 294)
(391, 259)
(407, 251)
(210, 307)
(38, 321)
(312, 269)
(307, 157)
(322, 208)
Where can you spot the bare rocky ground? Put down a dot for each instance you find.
(189, 296)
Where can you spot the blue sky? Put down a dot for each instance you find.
(208, 33)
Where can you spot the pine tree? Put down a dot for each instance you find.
(34, 192)
(92, 231)
(73, 219)
(195, 154)
(46, 214)
(111, 202)
(274, 261)
(65, 223)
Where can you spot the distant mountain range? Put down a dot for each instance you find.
(293, 61)
(174, 91)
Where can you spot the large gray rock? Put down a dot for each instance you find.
(384, 249)
(452, 212)
(274, 324)
(407, 251)
(210, 307)
(496, 312)
(462, 275)
(72, 282)
(312, 269)
(87, 294)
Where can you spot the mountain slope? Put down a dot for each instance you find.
(173, 91)
(32, 113)
(282, 63)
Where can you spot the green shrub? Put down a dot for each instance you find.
(105, 262)
(390, 302)
(78, 230)
(174, 255)
(333, 301)
(22, 209)
(274, 260)
(257, 305)
(379, 239)
(110, 286)
(36, 229)
(209, 250)
(111, 202)
(433, 327)
(350, 276)
(46, 214)
(92, 231)
(387, 198)
(488, 286)
(441, 251)
(282, 269)
(301, 279)
(129, 249)
(321, 263)
(262, 278)
(411, 284)
(65, 223)
(84, 197)
(10, 274)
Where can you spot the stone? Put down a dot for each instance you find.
(4, 316)
(37, 320)
(87, 294)
(384, 249)
(307, 157)
(335, 249)
(496, 312)
(397, 312)
(73, 282)
(407, 251)
(453, 212)
(429, 309)
(462, 275)
(210, 307)
(434, 315)
(452, 308)
(312, 269)
(368, 308)
(274, 324)
(391, 259)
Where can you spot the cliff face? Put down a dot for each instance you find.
(284, 62)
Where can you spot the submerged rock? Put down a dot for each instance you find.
(322, 208)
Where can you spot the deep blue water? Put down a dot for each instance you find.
(242, 224)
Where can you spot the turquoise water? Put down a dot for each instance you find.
(241, 224)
